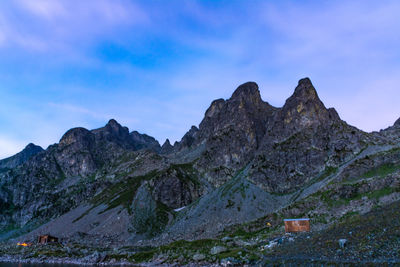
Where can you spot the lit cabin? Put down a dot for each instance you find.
(44, 239)
(297, 225)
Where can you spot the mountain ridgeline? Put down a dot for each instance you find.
(246, 161)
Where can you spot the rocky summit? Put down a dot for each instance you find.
(29, 151)
(219, 196)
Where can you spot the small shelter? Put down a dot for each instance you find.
(44, 239)
(297, 225)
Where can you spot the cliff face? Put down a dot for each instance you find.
(247, 159)
(304, 139)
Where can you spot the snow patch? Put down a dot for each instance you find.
(179, 209)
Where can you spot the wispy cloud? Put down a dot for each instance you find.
(156, 66)
(79, 110)
(44, 8)
(46, 26)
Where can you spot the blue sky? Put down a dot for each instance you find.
(155, 66)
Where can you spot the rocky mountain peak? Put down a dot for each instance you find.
(76, 135)
(32, 146)
(214, 108)
(305, 91)
(304, 107)
(166, 148)
(29, 151)
(248, 91)
(114, 127)
(114, 132)
(397, 124)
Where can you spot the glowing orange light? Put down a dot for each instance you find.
(23, 244)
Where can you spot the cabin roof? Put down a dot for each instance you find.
(302, 219)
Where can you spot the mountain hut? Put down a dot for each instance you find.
(44, 239)
(297, 225)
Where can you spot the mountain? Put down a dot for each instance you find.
(29, 151)
(235, 177)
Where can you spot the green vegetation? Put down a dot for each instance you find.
(232, 186)
(333, 199)
(202, 245)
(143, 256)
(329, 170)
(243, 233)
(382, 192)
(318, 218)
(151, 220)
(185, 172)
(382, 170)
(121, 193)
(348, 215)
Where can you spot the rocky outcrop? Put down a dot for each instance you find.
(144, 141)
(75, 152)
(166, 148)
(188, 140)
(148, 219)
(113, 132)
(304, 140)
(230, 133)
(28, 152)
(178, 186)
(302, 110)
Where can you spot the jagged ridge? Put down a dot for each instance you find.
(110, 171)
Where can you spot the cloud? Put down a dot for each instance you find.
(64, 25)
(65, 107)
(323, 34)
(155, 67)
(44, 8)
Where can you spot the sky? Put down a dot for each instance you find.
(155, 66)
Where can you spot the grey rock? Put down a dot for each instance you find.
(166, 148)
(342, 243)
(217, 250)
(226, 239)
(144, 141)
(146, 218)
(199, 257)
(176, 188)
